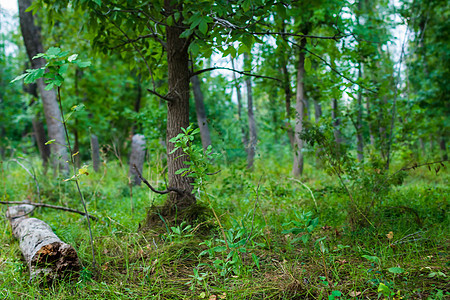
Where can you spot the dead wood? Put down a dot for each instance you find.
(46, 255)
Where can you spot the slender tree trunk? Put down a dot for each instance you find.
(201, 113)
(422, 146)
(288, 99)
(239, 99)
(297, 168)
(39, 135)
(443, 147)
(359, 135)
(336, 122)
(317, 111)
(32, 39)
(177, 109)
(251, 121)
(95, 153)
(369, 122)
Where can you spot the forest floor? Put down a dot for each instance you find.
(288, 239)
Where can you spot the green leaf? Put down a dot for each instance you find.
(50, 86)
(63, 69)
(382, 288)
(50, 142)
(19, 77)
(72, 57)
(53, 51)
(83, 64)
(396, 270)
(98, 2)
(203, 26)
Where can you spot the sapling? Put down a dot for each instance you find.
(53, 72)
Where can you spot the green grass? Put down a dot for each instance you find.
(161, 264)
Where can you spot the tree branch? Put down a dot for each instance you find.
(236, 71)
(161, 96)
(168, 190)
(49, 206)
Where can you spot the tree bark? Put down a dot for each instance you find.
(297, 168)
(288, 99)
(137, 157)
(95, 153)
(46, 255)
(39, 135)
(251, 121)
(177, 108)
(201, 113)
(32, 40)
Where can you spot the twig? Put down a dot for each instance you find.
(168, 190)
(160, 96)
(50, 206)
(236, 71)
(312, 195)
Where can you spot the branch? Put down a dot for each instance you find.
(168, 190)
(236, 71)
(161, 96)
(334, 37)
(141, 37)
(50, 206)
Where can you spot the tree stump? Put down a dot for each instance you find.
(137, 157)
(46, 255)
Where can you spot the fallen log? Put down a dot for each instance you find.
(46, 255)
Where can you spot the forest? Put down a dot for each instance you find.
(238, 149)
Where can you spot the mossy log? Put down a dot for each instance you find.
(46, 255)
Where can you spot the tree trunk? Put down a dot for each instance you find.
(39, 135)
(137, 157)
(201, 113)
(76, 146)
(288, 97)
(95, 153)
(359, 134)
(177, 109)
(251, 121)
(32, 40)
(297, 168)
(443, 147)
(239, 99)
(46, 255)
(336, 122)
(369, 122)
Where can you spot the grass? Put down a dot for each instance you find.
(406, 249)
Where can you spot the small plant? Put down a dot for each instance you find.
(177, 233)
(303, 226)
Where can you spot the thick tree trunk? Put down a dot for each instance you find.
(297, 168)
(177, 109)
(251, 121)
(46, 255)
(201, 113)
(137, 157)
(32, 39)
(239, 99)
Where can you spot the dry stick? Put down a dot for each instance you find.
(91, 239)
(312, 195)
(50, 206)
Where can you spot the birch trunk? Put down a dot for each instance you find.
(46, 255)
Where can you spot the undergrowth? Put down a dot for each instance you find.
(285, 241)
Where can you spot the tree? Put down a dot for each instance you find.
(32, 39)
